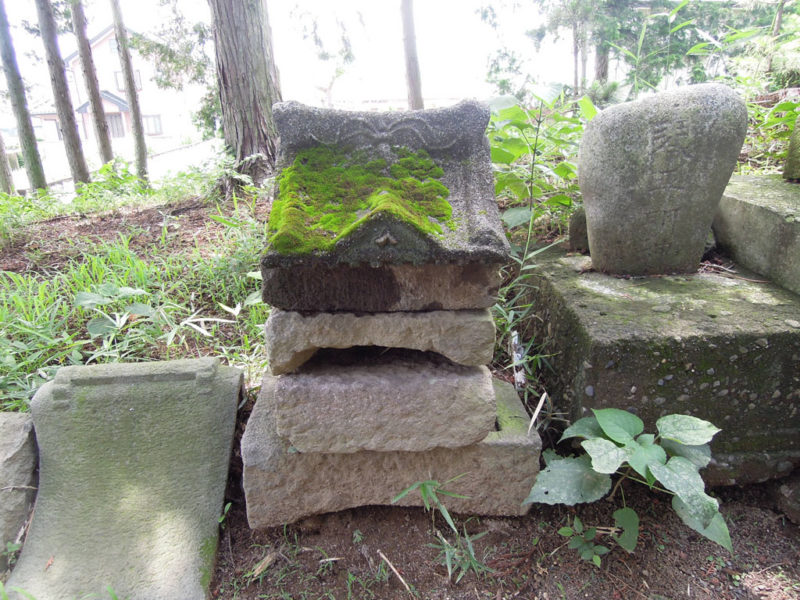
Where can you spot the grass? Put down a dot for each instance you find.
(110, 303)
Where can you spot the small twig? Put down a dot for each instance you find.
(11, 488)
(536, 412)
(780, 564)
(391, 566)
(627, 585)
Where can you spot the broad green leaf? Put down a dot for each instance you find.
(516, 216)
(565, 531)
(627, 520)
(697, 455)
(569, 481)
(686, 429)
(558, 200)
(619, 425)
(90, 299)
(548, 93)
(502, 156)
(587, 427)
(100, 326)
(253, 298)
(716, 530)
(510, 181)
(577, 524)
(127, 292)
(108, 289)
(596, 560)
(512, 113)
(588, 109)
(255, 275)
(643, 452)
(137, 308)
(565, 170)
(499, 103)
(681, 477)
(606, 456)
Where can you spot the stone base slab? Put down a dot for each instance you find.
(17, 476)
(465, 336)
(282, 486)
(758, 224)
(395, 401)
(133, 466)
(315, 285)
(721, 348)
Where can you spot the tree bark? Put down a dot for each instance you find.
(90, 78)
(6, 179)
(19, 104)
(413, 78)
(601, 55)
(575, 57)
(131, 95)
(58, 81)
(248, 83)
(776, 31)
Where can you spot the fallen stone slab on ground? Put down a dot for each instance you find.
(283, 485)
(758, 224)
(17, 477)
(133, 467)
(465, 336)
(346, 401)
(720, 346)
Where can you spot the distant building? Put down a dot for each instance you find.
(166, 113)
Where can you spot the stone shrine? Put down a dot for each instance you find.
(384, 255)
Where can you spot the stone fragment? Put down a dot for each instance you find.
(758, 224)
(394, 401)
(465, 337)
(652, 173)
(578, 236)
(282, 486)
(388, 257)
(678, 361)
(791, 169)
(133, 467)
(17, 476)
(788, 497)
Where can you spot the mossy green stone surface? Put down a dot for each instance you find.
(328, 193)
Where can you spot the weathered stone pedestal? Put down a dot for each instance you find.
(725, 348)
(384, 255)
(133, 466)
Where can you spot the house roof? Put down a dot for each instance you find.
(106, 95)
(92, 42)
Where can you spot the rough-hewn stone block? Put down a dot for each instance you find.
(392, 401)
(465, 337)
(758, 224)
(133, 466)
(718, 347)
(17, 476)
(282, 486)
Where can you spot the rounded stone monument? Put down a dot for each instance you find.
(652, 173)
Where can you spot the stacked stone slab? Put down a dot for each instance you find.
(380, 332)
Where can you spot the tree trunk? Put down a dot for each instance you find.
(601, 55)
(6, 179)
(58, 81)
(413, 78)
(90, 78)
(19, 104)
(131, 95)
(776, 31)
(584, 59)
(575, 56)
(248, 83)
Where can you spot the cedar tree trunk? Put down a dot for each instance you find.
(90, 78)
(601, 55)
(58, 81)
(19, 104)
(131, 95)
(248, 83)
(412, 62)
(6, 179)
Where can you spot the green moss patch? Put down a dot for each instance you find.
(327, 194)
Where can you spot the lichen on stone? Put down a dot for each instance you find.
(327, 193)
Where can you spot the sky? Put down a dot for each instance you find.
(454, 46)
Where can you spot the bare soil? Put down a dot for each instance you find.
(374, 552)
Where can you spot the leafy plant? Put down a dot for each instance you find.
(429, 491)
(459, 556)
(614, 443)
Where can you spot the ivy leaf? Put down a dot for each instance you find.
(569, 481)
(697, 455)
(686, 429)
(606, 456)
(644, 451)
(681, 477)
(716, 530)
(587, 427)
(619, 425)
(627, 520)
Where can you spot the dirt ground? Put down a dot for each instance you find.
(375, 552)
